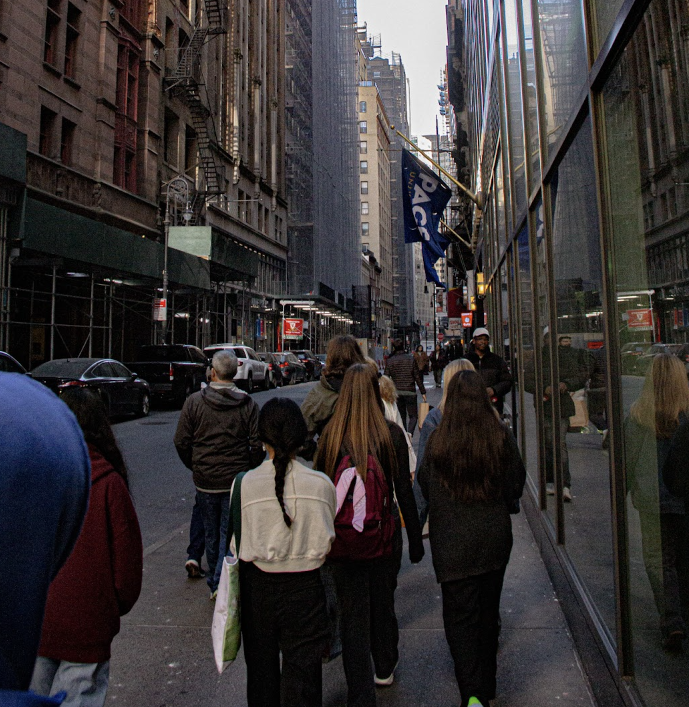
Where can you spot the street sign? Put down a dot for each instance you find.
(294, 329)
(467, 319)
(159, 310)
(640, 319)
(441, 336)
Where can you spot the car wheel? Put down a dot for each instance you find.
(266, 381)
(250, 384)
(144, 405)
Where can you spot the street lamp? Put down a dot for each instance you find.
(178, 186)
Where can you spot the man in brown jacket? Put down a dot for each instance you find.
(217, 438)
(405, 374)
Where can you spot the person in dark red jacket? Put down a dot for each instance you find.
(100, 581)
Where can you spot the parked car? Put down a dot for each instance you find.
(313, 365)
(251, 371)
(321, 358)
(122, 391)
(630, 354)
(9, 364)
(274, 373)
(293, 370)
(173, 371)
(643, 362)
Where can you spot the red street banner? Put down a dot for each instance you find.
(640, 319)
(467, 319)
(294, 328)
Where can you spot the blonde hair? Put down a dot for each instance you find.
(664, 396)
(460, 364)
(388, 390)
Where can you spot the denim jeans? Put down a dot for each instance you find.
(471, 615)
(283, 613)
(215, 511)
(86, 684)
(197, 533)
(366, 597)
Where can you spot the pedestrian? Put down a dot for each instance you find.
(656, 441)
(422, 361)
(318, 408)
(472, 476)
(44, 486)
(101, 580)
(429, 424)
(401, 367)
(438, 360)
(287, 528)
(374, 453)
(492, 368)
(217, 438)
(389, 395)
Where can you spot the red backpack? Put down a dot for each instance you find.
(374, 540)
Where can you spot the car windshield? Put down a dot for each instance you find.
(63, 368)
(168, 354)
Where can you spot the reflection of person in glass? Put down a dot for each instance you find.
(657, 422)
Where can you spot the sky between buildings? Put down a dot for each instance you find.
(418, 32)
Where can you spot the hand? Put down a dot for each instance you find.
(424, 397)
(491, 392)
(416, 554)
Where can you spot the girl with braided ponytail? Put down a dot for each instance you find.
(288, 513)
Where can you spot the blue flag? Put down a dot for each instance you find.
(424, 197)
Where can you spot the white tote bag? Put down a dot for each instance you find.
(226, 630)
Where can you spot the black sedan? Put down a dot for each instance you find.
(313, 364)
(293, 370)
(122, 391)
(274, 372)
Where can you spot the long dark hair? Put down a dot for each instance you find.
(282, 426)
(468, 447)
(92, 417)
(358, 425)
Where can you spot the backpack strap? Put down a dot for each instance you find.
(235, 521)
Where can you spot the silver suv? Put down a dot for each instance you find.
(251, 371)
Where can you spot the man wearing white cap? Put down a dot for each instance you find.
(491, 367)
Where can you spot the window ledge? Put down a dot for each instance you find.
(53, 70)
(71, 82)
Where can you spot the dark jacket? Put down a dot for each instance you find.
(405, 374)
(471, 539)
(675, 470)
(217, 437)
(422, 361)
(429, 424)
(401, 484)
(495, 373)
(101, 580)
(439, 361)
(317, 410)
(646, 456)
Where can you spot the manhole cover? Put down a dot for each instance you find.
(155, 422)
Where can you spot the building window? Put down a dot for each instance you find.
(67, 141)
(364, 208)
(190, 150)
(362, 106)
(376, 74)
(126, 91)
(170, 138)
(364, 230)
(52, 24)
(363, 167)
(45, 140)
(72, 41)
(363, 126)
(363, 147)
(364, 187)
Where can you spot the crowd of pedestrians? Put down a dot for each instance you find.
(341, 517)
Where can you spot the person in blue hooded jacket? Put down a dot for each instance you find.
(45, 478)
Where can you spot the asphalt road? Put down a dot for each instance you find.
(161, 485)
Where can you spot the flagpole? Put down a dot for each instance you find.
(476, 199)
(454, 233)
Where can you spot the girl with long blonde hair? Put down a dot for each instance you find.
(366, 589)
(661, 410)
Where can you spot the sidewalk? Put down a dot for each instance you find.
(163, 655)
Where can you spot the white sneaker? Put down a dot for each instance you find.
(567, 494)
(384, 682)
(550, 489)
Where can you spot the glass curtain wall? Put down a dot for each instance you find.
(584, 244)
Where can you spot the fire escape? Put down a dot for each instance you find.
(187, 81)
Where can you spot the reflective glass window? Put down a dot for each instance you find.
(531, 97)
(606, 12)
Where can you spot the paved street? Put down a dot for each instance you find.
(163, 655)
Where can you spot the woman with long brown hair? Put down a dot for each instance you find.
(318, 408)
(660, 412)
(372, 449)
(472, 476)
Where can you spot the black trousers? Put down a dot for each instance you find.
(471, 614)
(408, 406)
(368, 623)
(283, 613)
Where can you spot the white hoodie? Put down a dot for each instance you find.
(311, 503)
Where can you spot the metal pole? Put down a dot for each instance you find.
(435, 322)
(93, 285)
(110, 291)
(166, 223)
